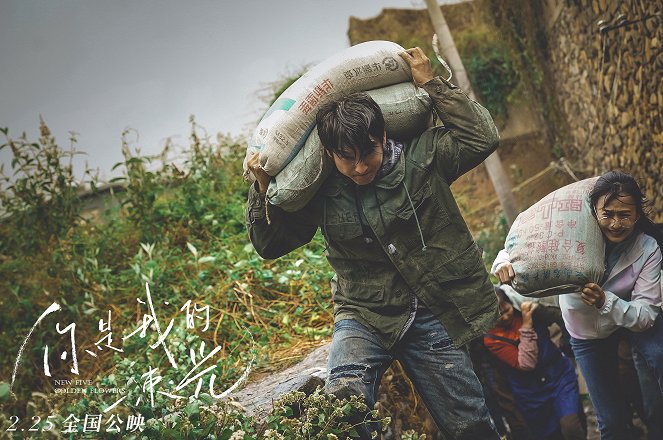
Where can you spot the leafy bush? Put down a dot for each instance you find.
(142, 188)
(492, 240)
(39, 198)
(490, 67)
(180, 229)
(319, 416)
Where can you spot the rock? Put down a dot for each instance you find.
(617, 143)
(257, 397)
(595, 7)
(607, 83)
(622, 100)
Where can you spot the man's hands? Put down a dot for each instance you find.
(593, 295)
(422, 72)
(504, 272)
(526, 309)
(261, 176)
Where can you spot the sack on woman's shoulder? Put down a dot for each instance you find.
(556, 246)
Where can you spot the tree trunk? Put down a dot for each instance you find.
(493, 164)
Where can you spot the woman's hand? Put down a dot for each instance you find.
(526, 309)
(261, 176)
(593, 295)
(504, 272)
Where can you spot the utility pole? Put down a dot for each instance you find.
(493, 164)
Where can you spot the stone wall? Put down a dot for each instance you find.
(607, 82)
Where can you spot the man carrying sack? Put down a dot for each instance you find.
(410, 282)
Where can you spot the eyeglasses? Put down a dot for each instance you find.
(606, 220)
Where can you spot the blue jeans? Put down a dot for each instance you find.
(597, 360)
(648, 358)
(652, 399)
(649, 345)
(441, 373)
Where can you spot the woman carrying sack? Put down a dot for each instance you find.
(629, 297)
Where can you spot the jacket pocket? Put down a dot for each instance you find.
(343, 231)
(430, 213)
(463, 281)
(355, 292)
(465, 264)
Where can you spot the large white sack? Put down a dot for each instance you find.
(407, 111)
(293, 187)
(556, 246)
(284, 128)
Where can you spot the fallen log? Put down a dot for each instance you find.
(257, 398)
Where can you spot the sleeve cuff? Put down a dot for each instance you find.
(528, 333)
(439, 81)
(256, 204)
(502, 257)
(438, 86)
(610, 299)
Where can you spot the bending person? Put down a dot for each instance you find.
(628, 297)
(542, 380)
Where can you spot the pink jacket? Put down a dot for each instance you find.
(633, 294)
(525, 356)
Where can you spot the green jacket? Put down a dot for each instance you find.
(375, 242)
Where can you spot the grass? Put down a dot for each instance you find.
(180, 233)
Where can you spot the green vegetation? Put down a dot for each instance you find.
(492, 240)
(42, 198)
(491, 70)
(179, 231)
(488, 62)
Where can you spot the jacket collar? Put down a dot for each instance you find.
(395, 176)
(631, 255)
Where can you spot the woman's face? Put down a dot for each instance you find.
(617, 217)
(506, 314)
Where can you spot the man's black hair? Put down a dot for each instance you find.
(344, 125)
